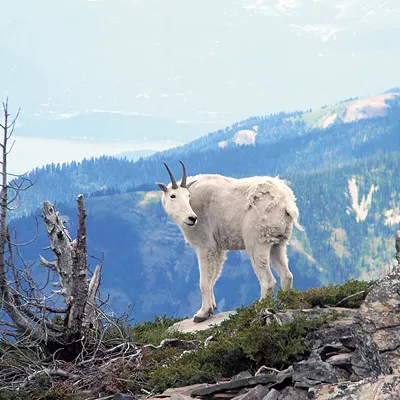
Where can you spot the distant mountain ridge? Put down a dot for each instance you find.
(276, 127)
(284, 143)
(350, 111)
(135, 154)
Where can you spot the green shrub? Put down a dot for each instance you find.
(222, 358)
(329, 295)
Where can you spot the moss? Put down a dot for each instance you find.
(330, 295)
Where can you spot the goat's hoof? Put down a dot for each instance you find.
(197, 319)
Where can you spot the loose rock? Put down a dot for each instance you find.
(237, 384)
(272, 395)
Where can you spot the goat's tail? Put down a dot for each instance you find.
(293, 212)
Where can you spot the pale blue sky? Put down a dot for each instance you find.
(209, 61)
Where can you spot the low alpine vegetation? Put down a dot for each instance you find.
(349, 295)
(247, 340)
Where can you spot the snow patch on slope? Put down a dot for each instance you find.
(149, 198)
(245, 137)
(361, 208)
(392, 217)
(222, 144)
(329, 120)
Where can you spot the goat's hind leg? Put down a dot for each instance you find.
(259, 254)
(279, 261)
(210, 266)
(216, 273)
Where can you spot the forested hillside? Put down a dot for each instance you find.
(284, 144)
(349, 215)
(344, 176)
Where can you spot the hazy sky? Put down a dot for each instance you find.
(29, 152)
(208, 61)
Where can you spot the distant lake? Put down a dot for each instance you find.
(31, 152)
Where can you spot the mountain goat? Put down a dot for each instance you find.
(217, 214)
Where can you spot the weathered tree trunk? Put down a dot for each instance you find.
(398, 246)
(71, 267)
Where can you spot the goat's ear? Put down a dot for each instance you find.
(190, 184)
(162, 186)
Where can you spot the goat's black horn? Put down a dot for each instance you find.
(184, 176)
(173, 181)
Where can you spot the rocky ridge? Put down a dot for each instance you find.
(336, 342)
(355, 357)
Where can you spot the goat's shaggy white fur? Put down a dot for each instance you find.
(254, 214)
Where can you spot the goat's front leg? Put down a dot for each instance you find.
(210, 264)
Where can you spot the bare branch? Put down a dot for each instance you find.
(12, 124)
(48, 264)
(15, 244)
(12, 145)
(91, 307)
(12, 263)
(349, 297)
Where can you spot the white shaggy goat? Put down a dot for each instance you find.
(216, 214)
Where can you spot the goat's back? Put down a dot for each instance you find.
(232, 210)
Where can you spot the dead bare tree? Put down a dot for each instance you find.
(27, 305)
(42, 328)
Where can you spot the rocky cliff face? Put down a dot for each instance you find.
(355, 357)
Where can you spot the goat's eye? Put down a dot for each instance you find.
(172, 196)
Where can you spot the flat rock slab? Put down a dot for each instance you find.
(184, 390)
(236, 384)
(188, 326)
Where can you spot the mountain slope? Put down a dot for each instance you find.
(344, 176)
(349, 214)
(284, 144)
